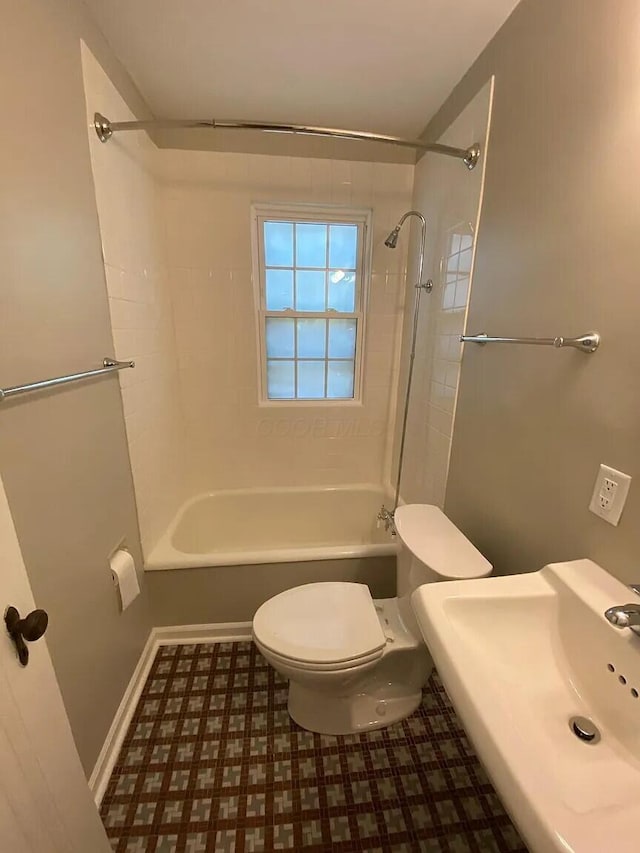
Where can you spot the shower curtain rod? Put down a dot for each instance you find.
(105, 130)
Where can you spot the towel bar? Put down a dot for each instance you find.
(108, 366)
(586, 343)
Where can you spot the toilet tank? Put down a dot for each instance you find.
(431, 549)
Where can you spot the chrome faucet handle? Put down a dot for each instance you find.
(385, 516)
(624, 616)
(620, 615)
(635, 587)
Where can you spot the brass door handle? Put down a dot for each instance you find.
(31, 628)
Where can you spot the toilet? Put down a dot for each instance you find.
(355, 663)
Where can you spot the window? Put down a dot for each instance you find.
(309, 273)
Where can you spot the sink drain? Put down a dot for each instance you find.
(585, 729)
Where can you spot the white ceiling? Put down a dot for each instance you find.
(379, 65)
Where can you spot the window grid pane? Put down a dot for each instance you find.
(342, 338)
(313, 357)
(311, 380)
(343, 246)
(341, 291)
(278, 244)
(281, 379)
(311, 338)
(340, 379)
(279, 289)
(311, 245)
(280, 338)
(311, 290)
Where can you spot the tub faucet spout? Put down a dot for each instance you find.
(385, 516)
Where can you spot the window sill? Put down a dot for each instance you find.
(310, 404)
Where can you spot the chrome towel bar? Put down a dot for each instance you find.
(108, 366)
(586, 343)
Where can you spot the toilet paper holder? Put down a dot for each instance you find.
(31, 628)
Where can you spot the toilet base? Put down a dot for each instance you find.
(316, 711)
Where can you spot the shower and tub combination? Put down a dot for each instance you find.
(246, 526)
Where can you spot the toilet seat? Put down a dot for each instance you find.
(326, 626)
(305, 666)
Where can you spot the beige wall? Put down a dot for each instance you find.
(231, 441)
(557, 254)
(234, 593)
(63, 454)
(133, 247)
(448, 195)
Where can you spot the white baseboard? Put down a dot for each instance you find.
(170, 635)
(115, 736)
(222, 632)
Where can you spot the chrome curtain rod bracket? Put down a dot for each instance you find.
(105, 130)
(102, 127)
(119, 365)
(109, 365)
(585, 343)
(472, 155)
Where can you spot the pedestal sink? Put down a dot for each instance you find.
(521, 657)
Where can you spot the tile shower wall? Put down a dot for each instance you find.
(140, 307)
(450, 197)
(231, 441)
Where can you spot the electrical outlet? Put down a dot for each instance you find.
(609, 494)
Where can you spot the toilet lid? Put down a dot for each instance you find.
(320, 623)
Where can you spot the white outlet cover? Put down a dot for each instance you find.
(617, 495)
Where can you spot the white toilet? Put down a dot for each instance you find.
(355, 663)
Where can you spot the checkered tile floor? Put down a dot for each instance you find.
(212, 762)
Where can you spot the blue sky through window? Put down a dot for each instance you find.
(310, 267)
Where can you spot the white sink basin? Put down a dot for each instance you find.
(519, 656)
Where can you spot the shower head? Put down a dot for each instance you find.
(392, 239)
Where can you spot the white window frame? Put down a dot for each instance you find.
(332, 214)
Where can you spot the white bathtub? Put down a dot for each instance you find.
(281, 525)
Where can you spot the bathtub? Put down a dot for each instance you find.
(278, 525)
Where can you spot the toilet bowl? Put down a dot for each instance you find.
(355, 663)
